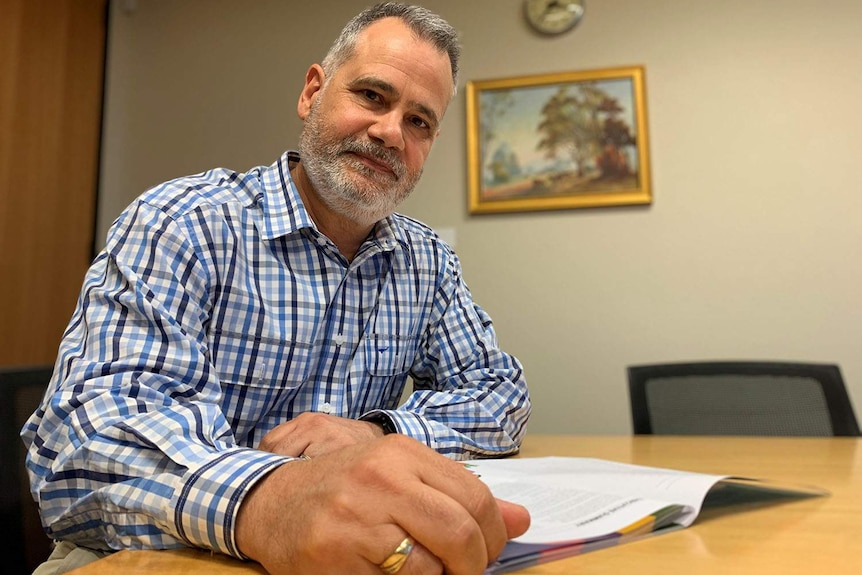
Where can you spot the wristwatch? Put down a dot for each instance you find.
(384, 421)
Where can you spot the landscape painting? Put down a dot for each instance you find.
(557, 141)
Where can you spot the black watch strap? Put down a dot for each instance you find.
(384, 421)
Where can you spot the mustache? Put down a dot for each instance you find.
(376, 151)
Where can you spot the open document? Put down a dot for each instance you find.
(579, 505)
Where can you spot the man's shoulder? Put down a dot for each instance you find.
(212, 188)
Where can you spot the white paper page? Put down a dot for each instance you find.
(577, 498)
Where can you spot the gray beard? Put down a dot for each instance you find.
(328, 167)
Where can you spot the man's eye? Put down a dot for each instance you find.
(420, 123)
(371, 95)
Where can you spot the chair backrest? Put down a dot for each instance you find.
(26, 545)
(740, 398)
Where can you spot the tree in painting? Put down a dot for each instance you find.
(611, 161)
(582, 121)
(570, 124)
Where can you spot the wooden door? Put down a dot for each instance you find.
(51, 84)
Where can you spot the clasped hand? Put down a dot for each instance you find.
(313, 434)
(346, 510)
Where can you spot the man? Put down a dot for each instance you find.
(229, 380)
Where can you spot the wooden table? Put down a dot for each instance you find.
(808, 536)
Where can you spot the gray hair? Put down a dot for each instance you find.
(425, 24)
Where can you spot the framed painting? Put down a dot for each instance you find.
(558, 141)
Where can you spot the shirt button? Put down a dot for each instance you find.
(321, 241)
(327, 408)
(339, 339)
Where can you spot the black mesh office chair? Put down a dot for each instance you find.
(25, 544)
(740, 398)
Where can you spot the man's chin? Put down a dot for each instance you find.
(375, 181)
(370, 215)
(361, 213)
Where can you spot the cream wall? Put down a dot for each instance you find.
(749, 251)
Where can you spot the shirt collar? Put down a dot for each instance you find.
(389, 234)
(282, 210)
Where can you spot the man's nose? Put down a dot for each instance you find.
(387, 129)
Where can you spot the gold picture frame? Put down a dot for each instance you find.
(558, 141)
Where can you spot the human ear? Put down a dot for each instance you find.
(314, 79)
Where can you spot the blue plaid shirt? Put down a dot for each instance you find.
(216, 312)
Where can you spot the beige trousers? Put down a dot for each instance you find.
(67, 556)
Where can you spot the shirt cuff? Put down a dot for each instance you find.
(208, 504)
(405, 423)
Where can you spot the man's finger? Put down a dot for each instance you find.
(421, 562)
(516, 517)
(446, 528)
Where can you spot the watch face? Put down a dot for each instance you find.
(554, 16)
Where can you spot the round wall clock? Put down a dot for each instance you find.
(553, 16)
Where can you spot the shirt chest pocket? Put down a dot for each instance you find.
(388, 355)
(246, 360)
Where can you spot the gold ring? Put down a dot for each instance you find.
(396, 561)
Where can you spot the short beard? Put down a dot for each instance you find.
(328, 165)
